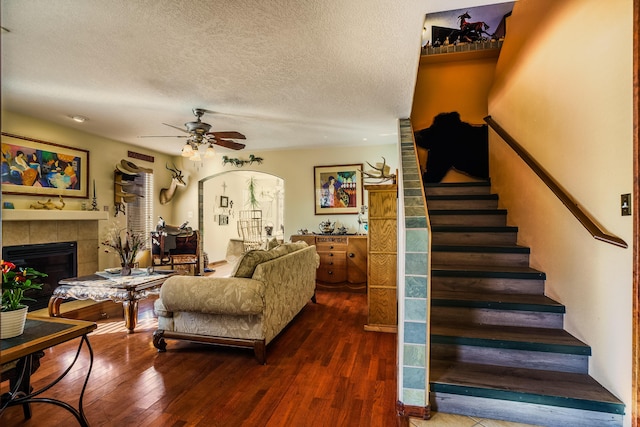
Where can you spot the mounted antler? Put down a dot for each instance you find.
(166, 194)
(380, 172)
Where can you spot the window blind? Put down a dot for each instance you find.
(140, 212)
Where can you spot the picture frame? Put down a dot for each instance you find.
(223, 219)
(338, 189)
(41, 168)
(224, 201)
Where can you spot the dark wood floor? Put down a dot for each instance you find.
(323, 370)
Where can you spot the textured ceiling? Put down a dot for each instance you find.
(286, 73)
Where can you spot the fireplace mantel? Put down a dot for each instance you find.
(52, 215)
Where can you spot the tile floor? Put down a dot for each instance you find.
(451, 420)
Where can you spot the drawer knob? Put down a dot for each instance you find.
(331, 247)
(330, 272)
(331, 263)
(330, 254)
(351, 254)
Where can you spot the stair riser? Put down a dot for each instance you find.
(515, 358)
(481, 258)
(450, 191)
(484, 316)
(478, 284)
(521, 412)
(495, 220)
(462, 204)
(466, 238)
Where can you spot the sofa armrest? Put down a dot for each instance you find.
(213, 295)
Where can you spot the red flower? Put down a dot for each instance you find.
(7, 266)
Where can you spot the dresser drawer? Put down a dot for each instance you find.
(333, 267)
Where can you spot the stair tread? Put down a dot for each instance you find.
(458, 184)
(495, 300)
(462, 197)
(474, 228)
(530, 385)
(486, 271)
(505, 334)
(481, 248)
(467, 212)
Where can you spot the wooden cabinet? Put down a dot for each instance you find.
(343, 261)
(382, 257)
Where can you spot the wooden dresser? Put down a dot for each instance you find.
(382, 256)
(343, 261)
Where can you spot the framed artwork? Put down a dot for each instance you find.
(39, 168)
(338, 189)
(223, 219)
(224, 202)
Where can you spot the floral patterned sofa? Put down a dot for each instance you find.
(266, 291)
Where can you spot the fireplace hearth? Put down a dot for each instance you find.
(58, 260)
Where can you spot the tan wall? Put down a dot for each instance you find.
(103, 155)
(295, 167)
(461, 86)
(567, 98)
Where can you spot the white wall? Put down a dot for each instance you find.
(567, 98)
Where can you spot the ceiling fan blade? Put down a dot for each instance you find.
(163, 136)
(176, 127)
(229, 144)
(227, 134)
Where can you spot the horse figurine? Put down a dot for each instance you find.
(469, 28)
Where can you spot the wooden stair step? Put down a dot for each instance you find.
(462, 201)
(488, 271)
(499, 301)
(493, 308)
(457, 188)
(496, 255)
(509, 337)
(488, 235)
(468, 217)
(541, 387)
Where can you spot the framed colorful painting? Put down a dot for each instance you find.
(338, 189)
(34, 167)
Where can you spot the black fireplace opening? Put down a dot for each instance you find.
(58, 260)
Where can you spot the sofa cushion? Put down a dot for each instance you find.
(250, 260)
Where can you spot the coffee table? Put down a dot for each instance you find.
(103, 286)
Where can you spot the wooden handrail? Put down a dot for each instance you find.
(560, 193)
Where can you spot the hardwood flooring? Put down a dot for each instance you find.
(323, 370)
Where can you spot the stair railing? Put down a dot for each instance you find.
(594, 229)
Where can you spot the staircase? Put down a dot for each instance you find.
(498, 347)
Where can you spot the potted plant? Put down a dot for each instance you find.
(126, 244)
(15, 281)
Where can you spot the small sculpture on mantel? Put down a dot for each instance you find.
(48, 205)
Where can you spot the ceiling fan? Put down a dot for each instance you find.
(198, 134)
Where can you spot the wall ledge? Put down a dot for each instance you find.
(52, 215)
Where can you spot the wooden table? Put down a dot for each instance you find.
(39, 334)
(104, 287)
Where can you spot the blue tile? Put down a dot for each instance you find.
(415, 286)
(415, 264)
(413, 397)
(416, 222)
(415, 355)
(417, 240)
(415, 309)
(414, 378)
(415, 333)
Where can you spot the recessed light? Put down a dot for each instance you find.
(79, 119)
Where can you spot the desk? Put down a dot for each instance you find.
(38, 335)
(125, 289)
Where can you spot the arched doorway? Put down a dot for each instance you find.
(221, 198)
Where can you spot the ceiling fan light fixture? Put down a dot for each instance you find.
(196, 156)
(187, 150)
(210, 152)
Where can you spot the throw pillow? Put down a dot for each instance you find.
(249, 261)
(273, 243)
